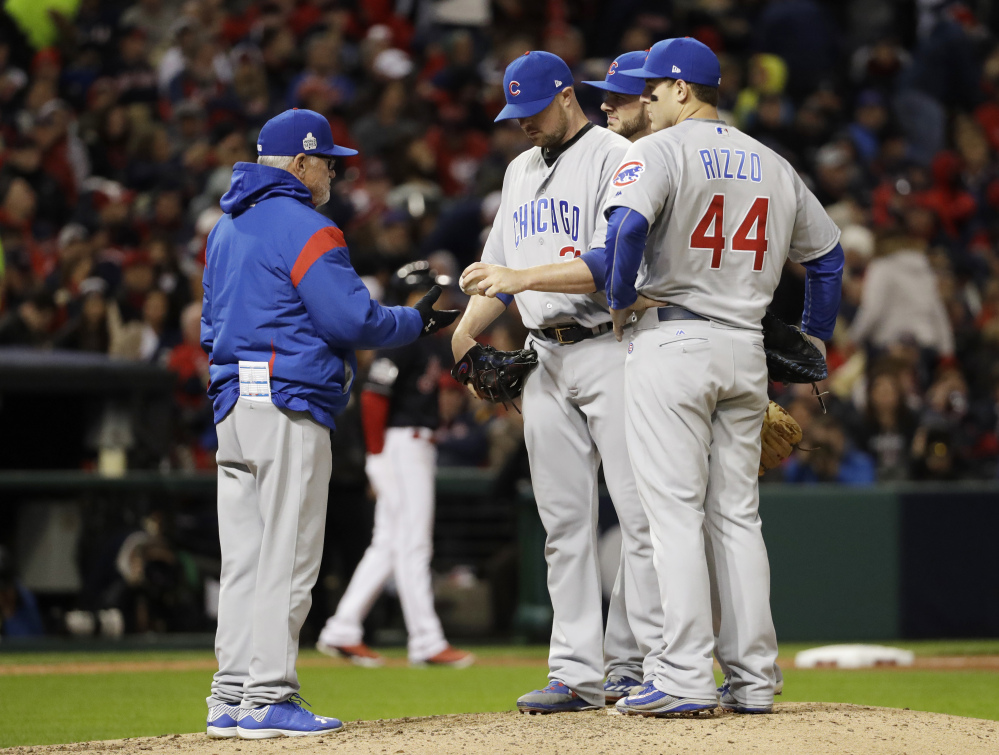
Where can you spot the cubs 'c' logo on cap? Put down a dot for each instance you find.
(629, 173)
(514, 91)
(463, 369)
(612, 69)
(309, 142)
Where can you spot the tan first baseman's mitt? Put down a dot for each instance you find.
(779, 435)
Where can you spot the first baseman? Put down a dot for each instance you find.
(283, 312)
(703, 217)
(573, 407)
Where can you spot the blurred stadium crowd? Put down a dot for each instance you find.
(120, 124)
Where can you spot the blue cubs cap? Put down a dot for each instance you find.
(680, 58)
(531, 83)
(623, 84)
(299, 131)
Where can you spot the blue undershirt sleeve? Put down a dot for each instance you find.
(626, 233)
(505, 298)
(596, 261)
(823, 287)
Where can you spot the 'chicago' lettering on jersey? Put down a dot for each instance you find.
(545, 215)
(728, 163)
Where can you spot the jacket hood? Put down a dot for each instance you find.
(253, 183)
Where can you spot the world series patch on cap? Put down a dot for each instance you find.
(295, 132)
(614, 82)
(531, 82)
(681, 58)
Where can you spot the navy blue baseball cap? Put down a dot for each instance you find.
(296, 132)
(623, 84)
(531, 83)
(680, 58)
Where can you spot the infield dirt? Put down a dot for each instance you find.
(798, 728)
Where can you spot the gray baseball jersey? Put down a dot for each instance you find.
(553, 214)
(724, 214)
(574, 419)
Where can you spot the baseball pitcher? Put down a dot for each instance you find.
(551, 213)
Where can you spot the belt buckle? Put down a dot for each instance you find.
(558, 334)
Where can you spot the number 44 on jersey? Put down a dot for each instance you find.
(710, 231)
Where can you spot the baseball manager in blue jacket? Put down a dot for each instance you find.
(283, 313)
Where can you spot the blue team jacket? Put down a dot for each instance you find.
(279, 288)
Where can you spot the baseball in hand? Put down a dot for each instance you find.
(469, 289)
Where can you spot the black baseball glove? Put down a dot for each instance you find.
(791, 357)
(496, 376)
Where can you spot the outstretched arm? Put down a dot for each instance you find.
(338, 303)
(574, 277)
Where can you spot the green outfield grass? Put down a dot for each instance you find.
(55, 708)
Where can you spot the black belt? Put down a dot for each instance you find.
(673, 312)
(572, 333)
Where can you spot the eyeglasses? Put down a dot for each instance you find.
(330, 161)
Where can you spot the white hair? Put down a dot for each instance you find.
(276, 161)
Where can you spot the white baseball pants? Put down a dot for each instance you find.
(696, 394)
(274, 473)
(403, 477)
(573, 417)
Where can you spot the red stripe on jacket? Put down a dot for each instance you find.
(321, 242)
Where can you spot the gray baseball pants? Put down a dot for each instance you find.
(274, 472)
(574, 409)
(695, 447)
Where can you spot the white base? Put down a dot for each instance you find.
(853, 656)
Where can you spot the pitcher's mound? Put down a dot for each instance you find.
(799, 728)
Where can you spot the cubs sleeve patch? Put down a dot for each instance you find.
(628, 173)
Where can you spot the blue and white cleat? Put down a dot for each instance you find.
(729, 703)
(222, 720)
(555, 698)
(649, 701)
(287, 719)
(617, 687)
(725, 691)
